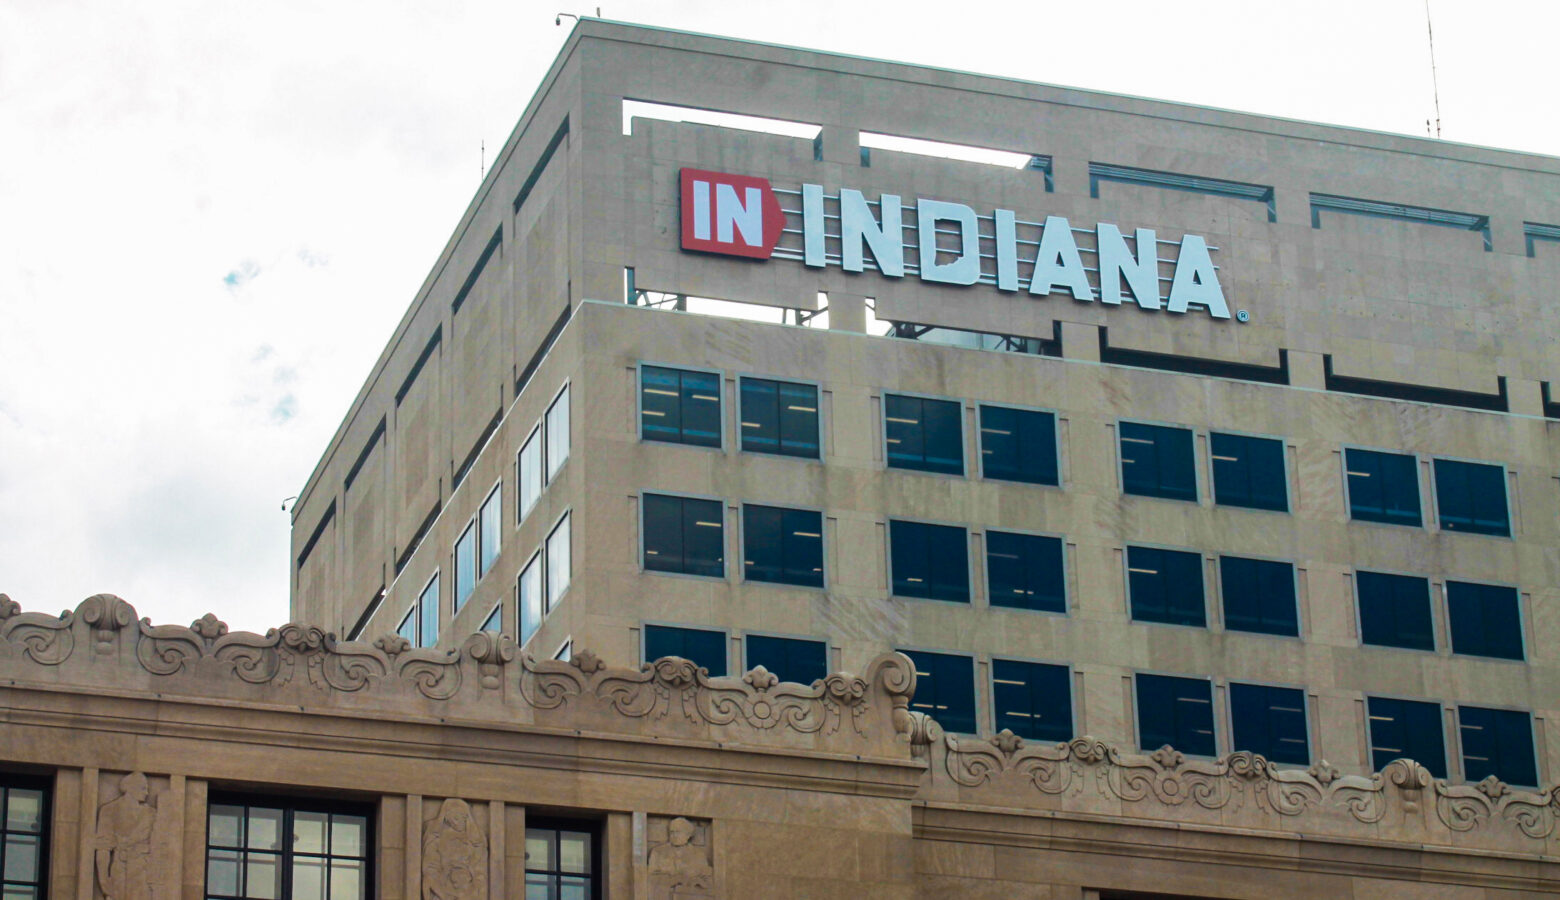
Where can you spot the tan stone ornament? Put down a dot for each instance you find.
(455, 855)
(680, 869)
(132, 842)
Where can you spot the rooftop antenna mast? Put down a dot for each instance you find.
(482, 166)
(1435, 87)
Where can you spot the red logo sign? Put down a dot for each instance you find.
(737, 215)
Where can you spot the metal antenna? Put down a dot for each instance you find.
(1434, 86)
(482, 166)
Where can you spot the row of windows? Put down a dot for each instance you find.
(1035, 701)
(927, 434)
(686, 535)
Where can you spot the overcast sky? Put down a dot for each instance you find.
(213, 214)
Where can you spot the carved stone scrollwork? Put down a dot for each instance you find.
(106, 614)
(44, 639)
(492, 652)
(435, 673)
(548, 684)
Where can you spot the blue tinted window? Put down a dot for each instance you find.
(1383, 487)
(791, 659)
(1497, 742)
(704, 648)
(923, 434)
(495, 620)
(1249, 472)
(1166, 586)
(1394, 610)
(779, 417)
(1156, 461)
(1270, 721)
(1032, 700)
(945, 689)
(1471, 497)
(1175, 711)
(683, 535)
(930, 562)
(465, 565)
(1018, 445)
(679, 406)
(1259, 595)
(1485, 620)
(782, 546)
(1025, 571)
(1407, 729)
(428, 614)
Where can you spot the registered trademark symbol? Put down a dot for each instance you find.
(1242, 316)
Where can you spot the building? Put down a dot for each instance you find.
(1182, 483)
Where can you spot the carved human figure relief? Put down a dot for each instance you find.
(455, 855)
(680, 866)
(131, 843)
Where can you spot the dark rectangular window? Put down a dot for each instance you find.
(1270, 721)
(678, 406)
(1177, 712)
(24, 851)
(1249, 472)
(1166, 586)
(276, 849)
(562, 860)
(703, 647)
(945, 689)
(929, 562)
(1018, 445)
(782, 546)
(1471, 497)
(1025, 571)
(1383, 487)
(1259, 596)
(791, 659)
(684, 535)
(922, 434)
(1406, 729)
(1497, 742)
(1032, 700)
(1156, 461)
(779, 417)
(1485, 619)
(1394, 610)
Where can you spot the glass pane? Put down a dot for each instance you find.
(465, 565)
(222, 872)
(530, 599)
(21, 857)
(700, 409)
(574, 852)
(530, 473)
(346, 880)
(428, 612)
(703, 538)
(557, 434)
(308, 878)
(309, 832)
(490, 536)
(558, 564)
(539, 887)
(346, 835)
(16, 892)
(224, 826)
(539, 843)
(265, 829)
(24, 811)
(574, 889)
(662, 533)
(263, 876)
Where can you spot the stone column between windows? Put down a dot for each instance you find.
(196, 819)
(86, 833)
(412, 848)
(513, 851)
(498, 851)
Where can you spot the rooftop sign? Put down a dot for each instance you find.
(948, 243)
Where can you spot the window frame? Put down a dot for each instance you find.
(563, 520)
(1073, 695)
(1505, 484)
(639, 403)
(1126, 577)
(1447, 747)
(1533, 734)
(1522, 620)
(497, 610)
(810, 638)
(1220, 725)
(522, 510)
(597, 831)
(823, 546)
(457, 602)
(644, 640)
(725, 546)
(981, 723)
(44, 785)
(1198, 488)
(1284, 457)
(888, 568)
(985, 564)
(1348, 499)
(537, 558)
(1305, 714)
(964, 450)
(290, 805)
(1056, 437)
(1437, 616)
(497, 488)
(822, 436)
(549, 473)
(1294, 577)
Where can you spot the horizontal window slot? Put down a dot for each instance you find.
(1007, 159)
(417, 367)
(541, 352)
(1423, 215)
(535, 175)
(1169, 362)
(692, 115)
(1551, 406)
(1535, 231)
(493, 244)
(417, 538)
(476, 448)
(1394, 390)
(362, 457)
(1218, 187)
(325, 520)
